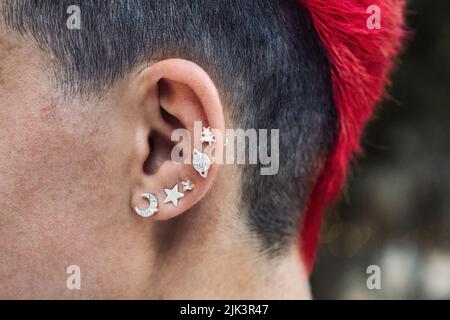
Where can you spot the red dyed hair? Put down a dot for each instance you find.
(360, 60)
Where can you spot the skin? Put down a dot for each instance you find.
(72, 170)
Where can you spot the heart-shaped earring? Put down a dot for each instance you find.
(201, 163)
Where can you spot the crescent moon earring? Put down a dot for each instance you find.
(152, 208)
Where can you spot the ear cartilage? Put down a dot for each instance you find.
(152, 208)
(201, 163)
(207, 136)
(187, 185)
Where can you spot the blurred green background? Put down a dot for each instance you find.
(395, 212)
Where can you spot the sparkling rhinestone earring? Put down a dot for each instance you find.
(152, 208)
(187, 185)
(207, 136)
(201, 163)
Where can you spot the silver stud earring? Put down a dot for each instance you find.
(172, 195)
(152, 208)
(201, 163)
(187, 185)
(207, 136)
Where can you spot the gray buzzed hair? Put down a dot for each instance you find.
(264, 56)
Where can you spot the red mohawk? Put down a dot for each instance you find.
(360, 59)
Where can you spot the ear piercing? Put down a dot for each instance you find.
(187, 185)
(172, 195)
(201, 163)
(207, 136)
(152, 208)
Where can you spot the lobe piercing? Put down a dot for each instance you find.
(152, 208)
(172, 195)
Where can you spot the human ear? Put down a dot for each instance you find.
(174, 96)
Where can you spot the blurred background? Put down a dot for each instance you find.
(395, 212)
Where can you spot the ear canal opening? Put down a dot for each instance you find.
(160, 151)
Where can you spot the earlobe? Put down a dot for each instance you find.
(186, 95)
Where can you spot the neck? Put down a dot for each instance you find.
(225, 277)
(210, 262)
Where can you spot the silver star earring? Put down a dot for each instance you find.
(201, 163)
(152, 208)
(172, 195)
(207, 136)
